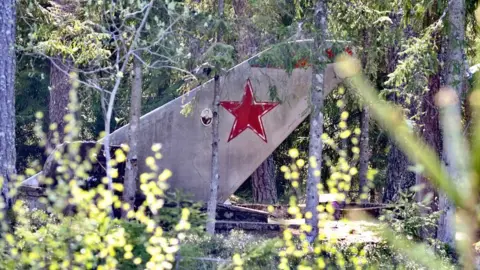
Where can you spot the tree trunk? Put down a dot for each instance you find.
(215, 174)
(364, 134)
(60, 85)
(131, 170)
(399, 178)
(7, 95)
(455, 57)
(263, 183)
(364, 153)
(247, 43)
(212, 202)
(263, 179)
(59, 98)
(431, 133)
(316, 118)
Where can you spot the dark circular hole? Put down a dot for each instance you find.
(206, 120)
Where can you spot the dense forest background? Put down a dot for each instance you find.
(393, 39)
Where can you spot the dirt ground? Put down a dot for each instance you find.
(344, 230)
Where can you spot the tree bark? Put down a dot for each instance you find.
(247, 43)
(263, 179)
(455, 57)
(7, 95)
(131, 170)
(364, 153)
(399, 177)
(60, 87)
(364, 157)
(212, 202)
(215, 174)
(431, 133)
(263, 183)
(316, 118)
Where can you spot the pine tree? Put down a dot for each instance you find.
(60, 86)
(264, 188)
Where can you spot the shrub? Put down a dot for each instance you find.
(410, 218)
(216, 252)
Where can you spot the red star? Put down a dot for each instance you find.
(248, 113)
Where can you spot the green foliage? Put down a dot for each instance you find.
(284, 56)
(64, 30)
(79, 231)
(419, 61)
(31, 81)
(383, 256)
(215, 252)
(137, 237)
(394, 123)
(410, 218)
(57, 238)
(220, 56)
(258, 252)
(392, 120)
(169, 215)
(91, 238)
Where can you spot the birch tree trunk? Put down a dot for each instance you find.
(455, 56)
(215, 174)
(131, 170)
(7, 94)
(316, 117)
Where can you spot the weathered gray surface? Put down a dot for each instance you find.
(187, 142)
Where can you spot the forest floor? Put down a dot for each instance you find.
(342, 230)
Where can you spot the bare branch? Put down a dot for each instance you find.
(114, 93)
(52, 60)
(153, 66)
(162, 36)
(133, 14)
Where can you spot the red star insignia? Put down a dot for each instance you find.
(248, 113)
